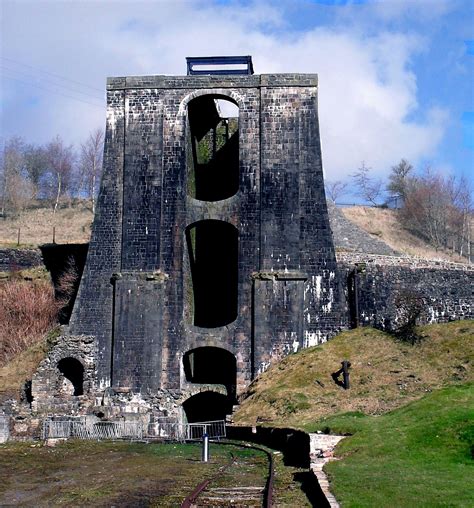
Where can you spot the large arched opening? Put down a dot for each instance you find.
(212, 148)
(207, 407)
(211, 365)
(213, 260)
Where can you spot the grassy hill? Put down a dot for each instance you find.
(409, 414)
(383, 224)
(21, 368)
(385, 374)
(72, 225)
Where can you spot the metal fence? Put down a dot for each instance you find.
(164, 428)
(81, 429)
(4, 428)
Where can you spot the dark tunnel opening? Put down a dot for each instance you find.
(65, 262)
(213, 148)
(207, 407)
(213, 258)
(211, 365)
(73, 370)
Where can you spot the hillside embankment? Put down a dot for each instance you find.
(38, 226)
(383, 225)
(357, 228)
(385, 374)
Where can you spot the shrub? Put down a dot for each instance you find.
(409, 305)
(28, 310)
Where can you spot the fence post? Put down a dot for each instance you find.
(205, 447)
(18, 239)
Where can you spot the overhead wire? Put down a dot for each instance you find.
(55, 92)
(45, 82)
(58, 76)
(38, 78)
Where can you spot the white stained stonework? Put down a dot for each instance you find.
(322, 451)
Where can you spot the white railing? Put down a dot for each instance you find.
(169, 428)
(214, 429)
(163, 428)
(85, 430)
(4, 428)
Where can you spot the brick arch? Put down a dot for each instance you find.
(222, 93)
(195, 390)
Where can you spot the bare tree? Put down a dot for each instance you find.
(439, 209)
(36, 166)
(461, 216)
(16, 191)
(399, 180)
(60, 161)
(336, 189)
(91, 164)
(370, 189)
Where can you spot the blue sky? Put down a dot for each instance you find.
(396, 76)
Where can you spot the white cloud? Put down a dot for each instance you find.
(368, 90)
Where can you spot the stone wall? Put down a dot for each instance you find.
(446, 289)
(19, 259)
(53, 390)
(134, 294)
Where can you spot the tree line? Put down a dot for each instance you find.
(434, 207)
(51, 173)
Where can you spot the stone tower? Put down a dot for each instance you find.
(211, 253)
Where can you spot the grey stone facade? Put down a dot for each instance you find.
(445, 289)
(136, 295)
(208, 264)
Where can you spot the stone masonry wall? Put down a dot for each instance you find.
(51, 391)
(19, 259)
(138, 318)
(447, 289)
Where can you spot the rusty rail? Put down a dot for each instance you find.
(268, 490)
(189, 501)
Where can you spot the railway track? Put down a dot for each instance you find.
(220, 490)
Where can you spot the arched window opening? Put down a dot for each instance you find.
(73, 371)
(213, 260)
(213, 148)
(211, 365)
(207, 407)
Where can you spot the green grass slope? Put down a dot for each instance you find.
(385, 374)
(419, 455)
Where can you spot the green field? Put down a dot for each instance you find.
(418, 455)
